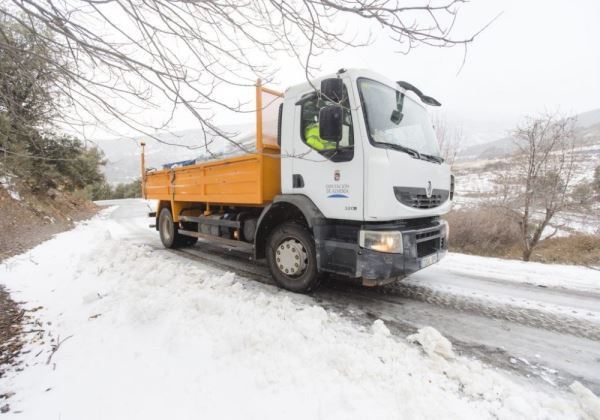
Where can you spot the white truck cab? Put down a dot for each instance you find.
(383, 170)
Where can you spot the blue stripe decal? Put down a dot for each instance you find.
(337, 196)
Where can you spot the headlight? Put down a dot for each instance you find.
(382, 241)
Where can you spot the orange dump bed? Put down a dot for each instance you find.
(252, 179)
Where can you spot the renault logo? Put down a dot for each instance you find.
(429, 189)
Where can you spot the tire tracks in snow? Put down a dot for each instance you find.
(532, 317)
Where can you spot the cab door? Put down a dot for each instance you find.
(331, 177)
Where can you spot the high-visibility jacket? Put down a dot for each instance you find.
(311, 134)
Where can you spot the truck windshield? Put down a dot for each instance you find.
(396, 120)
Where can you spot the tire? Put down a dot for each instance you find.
(169, 234)
(291, 247)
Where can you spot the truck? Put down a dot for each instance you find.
(345, 178)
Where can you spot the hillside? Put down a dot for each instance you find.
(587, 127)
(29, 219)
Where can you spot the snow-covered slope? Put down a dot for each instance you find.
(139, 333)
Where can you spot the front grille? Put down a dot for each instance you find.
(429, 242)
(419, 223)
(425, 235)
(428, 247)
(417, 197)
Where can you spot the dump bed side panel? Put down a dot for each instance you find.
(245, 180)
(271, 177)
(229, 181)
(157, 186)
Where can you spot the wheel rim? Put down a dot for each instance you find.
(167, 228)
(291, 257)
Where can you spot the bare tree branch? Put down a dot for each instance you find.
(119, 59)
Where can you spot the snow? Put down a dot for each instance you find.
(433, 342)
(589, 402)
(147, 334)
(514, 271)
(6, 182)
(505, 286)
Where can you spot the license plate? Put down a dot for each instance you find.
(428, 260)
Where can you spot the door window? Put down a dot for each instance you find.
(309, 126)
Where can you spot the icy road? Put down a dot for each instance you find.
(123, 329)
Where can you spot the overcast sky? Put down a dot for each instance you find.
(539, 54)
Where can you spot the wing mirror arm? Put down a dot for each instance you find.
(424, 98)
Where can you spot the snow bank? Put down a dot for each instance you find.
(433, 342)
(148, 335)
(589, 402)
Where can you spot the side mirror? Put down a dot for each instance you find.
(330, 123)
(333, 89)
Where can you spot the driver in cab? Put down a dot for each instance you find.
(311, 134)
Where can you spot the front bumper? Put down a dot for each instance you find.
(422, 246)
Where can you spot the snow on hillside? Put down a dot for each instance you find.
(7, 183)
(476, 177)
(475, 185)
(146, 334)
(587, 126)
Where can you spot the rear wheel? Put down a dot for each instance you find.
(292, 259)
(169, 234)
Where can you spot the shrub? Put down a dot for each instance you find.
(60, 162)
(132, 189)
(482, 231)
(103, 191)
(578, 249)
(583, 193)
(489, 232)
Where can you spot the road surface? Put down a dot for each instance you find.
(543, 334)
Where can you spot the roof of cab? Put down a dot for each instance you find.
(354, 74)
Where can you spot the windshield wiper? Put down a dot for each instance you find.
(414, 153)
(404, 149)
(424, 98)
(433, 158)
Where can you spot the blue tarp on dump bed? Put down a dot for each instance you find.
(180, 163)
(245, 144)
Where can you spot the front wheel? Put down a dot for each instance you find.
(291, 256)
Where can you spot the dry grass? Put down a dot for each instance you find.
(11, 317)
(482, 231)
(575, 249)
(487, 232)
